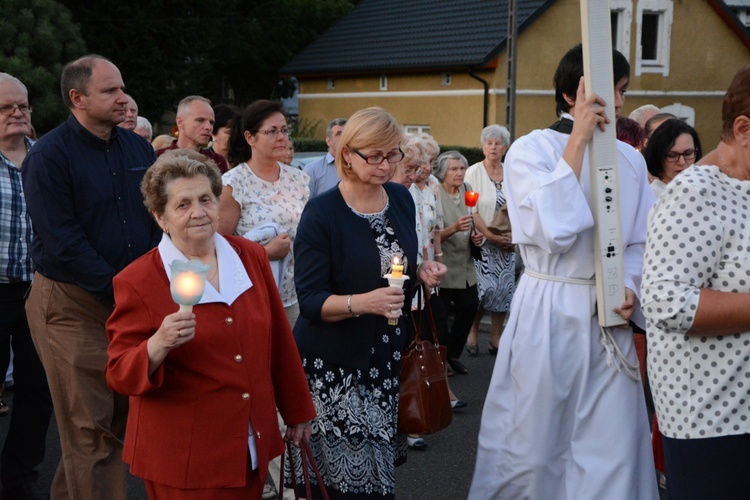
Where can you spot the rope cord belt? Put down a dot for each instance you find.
(615, 357)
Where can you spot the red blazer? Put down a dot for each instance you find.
(188, 424)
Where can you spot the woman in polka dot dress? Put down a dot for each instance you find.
(696, 297)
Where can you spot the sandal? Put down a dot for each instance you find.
(492, 348)
(4, 408)
(472, 349)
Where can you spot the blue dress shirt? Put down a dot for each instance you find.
(83, 195)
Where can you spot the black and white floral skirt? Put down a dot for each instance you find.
(354, 436)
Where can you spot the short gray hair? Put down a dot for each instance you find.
(182, 106)
(143, 122)
(639, 113)
(441, 164)
(5, 77)
(495, 132)
(338, 122)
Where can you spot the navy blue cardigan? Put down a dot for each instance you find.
(335, 254)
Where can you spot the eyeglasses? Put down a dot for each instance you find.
(11, 108)
(412, 171)
(274, 132)
(377, 159)
(674, 156)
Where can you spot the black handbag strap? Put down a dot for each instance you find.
(428, 308)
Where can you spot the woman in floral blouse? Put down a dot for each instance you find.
(262, 198)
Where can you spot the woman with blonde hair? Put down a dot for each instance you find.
(345, 244)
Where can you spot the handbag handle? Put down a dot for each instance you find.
(307, 457)
(418, 324)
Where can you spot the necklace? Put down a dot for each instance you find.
(498, 184)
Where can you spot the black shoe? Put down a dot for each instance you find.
(492, 348)
(27, 490)
(458, 367)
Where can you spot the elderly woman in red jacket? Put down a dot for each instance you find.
(203, 385)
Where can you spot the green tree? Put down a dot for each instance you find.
(228, 51)
(38, 38)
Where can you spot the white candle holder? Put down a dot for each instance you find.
(396, 283)
(188, 282)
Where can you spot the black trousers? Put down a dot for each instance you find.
(709, 468)
(465, 302)
(24, 445)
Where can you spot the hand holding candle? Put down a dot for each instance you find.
(188, 282)
(471, 198)
(396, 278)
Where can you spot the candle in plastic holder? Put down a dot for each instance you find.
(396, 279)
(471, 198)
(188, 282)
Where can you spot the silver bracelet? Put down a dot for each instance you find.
(349, 306)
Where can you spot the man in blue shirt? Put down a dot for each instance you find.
(82, 187)
(25, 443)
(322, 172)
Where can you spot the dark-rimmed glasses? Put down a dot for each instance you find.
(378, 158)
(688, 154)
(9, 109)
(274, 132)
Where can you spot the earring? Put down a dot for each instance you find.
(349, 165)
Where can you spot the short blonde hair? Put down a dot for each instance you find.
(367, 128)
(172, 165)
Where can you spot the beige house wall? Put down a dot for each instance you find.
(704, 55)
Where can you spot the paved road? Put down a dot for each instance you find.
(443, 471)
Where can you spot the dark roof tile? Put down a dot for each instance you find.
(402, 35)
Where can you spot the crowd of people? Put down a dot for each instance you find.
(298, 335)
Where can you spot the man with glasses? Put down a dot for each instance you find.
(195, 126)
(322, 172)
(25, 443)
(81, 182)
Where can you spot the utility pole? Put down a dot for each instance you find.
(512, 53)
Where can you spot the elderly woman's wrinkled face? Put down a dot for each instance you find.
(191, 213)
(425, 170)
(454, 174)
(494, 149)
(407, 171)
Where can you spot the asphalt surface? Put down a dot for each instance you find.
(442, 471)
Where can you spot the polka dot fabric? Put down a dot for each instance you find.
(698, 237)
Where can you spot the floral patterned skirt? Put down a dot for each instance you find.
(354, 436)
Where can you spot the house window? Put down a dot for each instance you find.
(383, 82)
(416, 129)
(445, 79)
(621, 15)
(331, 84)
(681, 111)
(654, 36)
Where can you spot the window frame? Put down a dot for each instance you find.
(664, 9)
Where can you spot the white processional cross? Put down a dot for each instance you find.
(605, 194)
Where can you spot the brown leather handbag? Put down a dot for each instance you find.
(501, 223)
(424, 406)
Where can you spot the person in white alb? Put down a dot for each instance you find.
(564, 419)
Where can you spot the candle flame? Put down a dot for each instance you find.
(188, 285)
